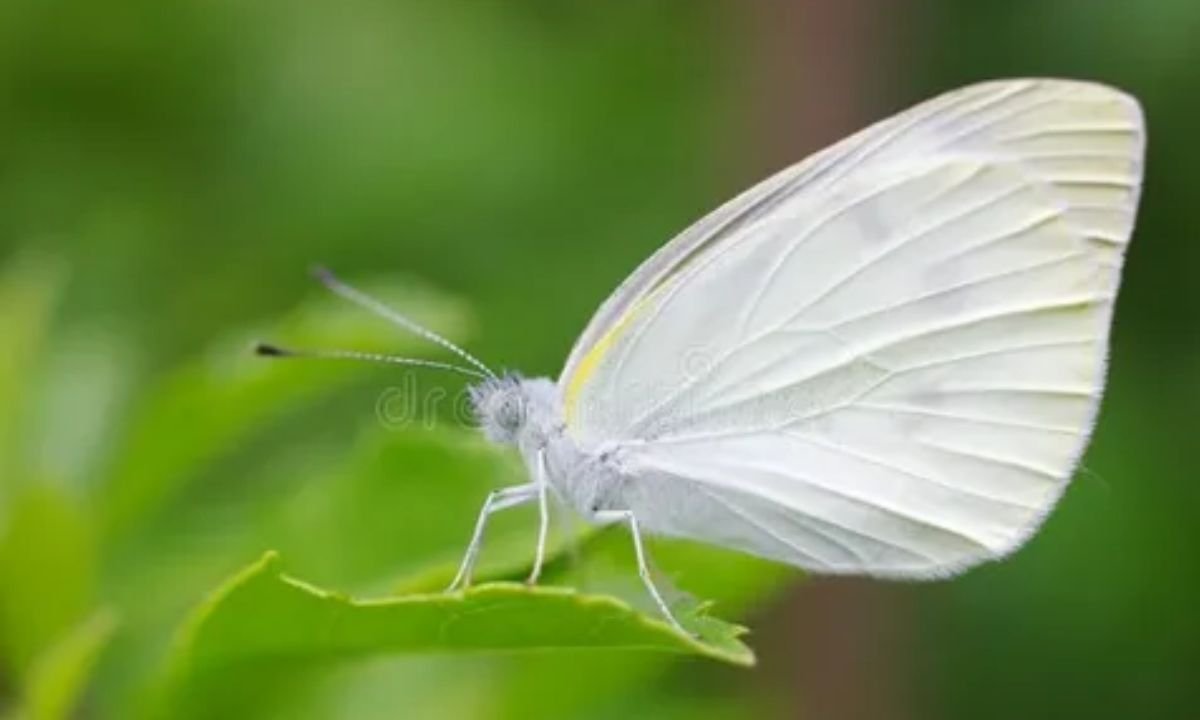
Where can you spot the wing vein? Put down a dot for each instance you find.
(992, 352)
(927, 412)
(994, 459)
(871, 504)
(741, 512)
(814, 524)
(816, 227)
(1063, 304)
(841, 449)
(1045, 132)
(998, 118)
(892, 247)
(884, 309)
(860, 501)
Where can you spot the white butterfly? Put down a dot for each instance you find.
(884, 360)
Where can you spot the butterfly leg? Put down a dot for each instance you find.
(606, 516)
(496, 500)
(539, 554)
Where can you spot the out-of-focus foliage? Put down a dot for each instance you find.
(169, 171)
(113, 580)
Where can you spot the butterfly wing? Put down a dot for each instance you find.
(888, 358)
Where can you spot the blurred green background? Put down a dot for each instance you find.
(168, 172)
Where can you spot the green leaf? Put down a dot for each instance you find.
(88, 372)
(263, 618)
(29, 289)
(625, 684)
(47, 573)
(60, 675)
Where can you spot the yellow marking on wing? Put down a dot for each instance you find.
(590, 362)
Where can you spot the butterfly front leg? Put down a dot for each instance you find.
(496, 500)
(539, 553)
(627, 516)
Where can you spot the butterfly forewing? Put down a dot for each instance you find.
(888, 358)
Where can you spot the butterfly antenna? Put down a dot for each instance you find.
(329, 280)
(274, 351)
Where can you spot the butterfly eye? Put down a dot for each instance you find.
(511, 413)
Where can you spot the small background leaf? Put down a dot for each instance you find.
(29, 289)
(47, 574)
(60, 675)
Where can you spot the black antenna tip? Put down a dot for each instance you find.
(266, 350)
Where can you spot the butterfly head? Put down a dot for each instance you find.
(500, 407)
(510, 407)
